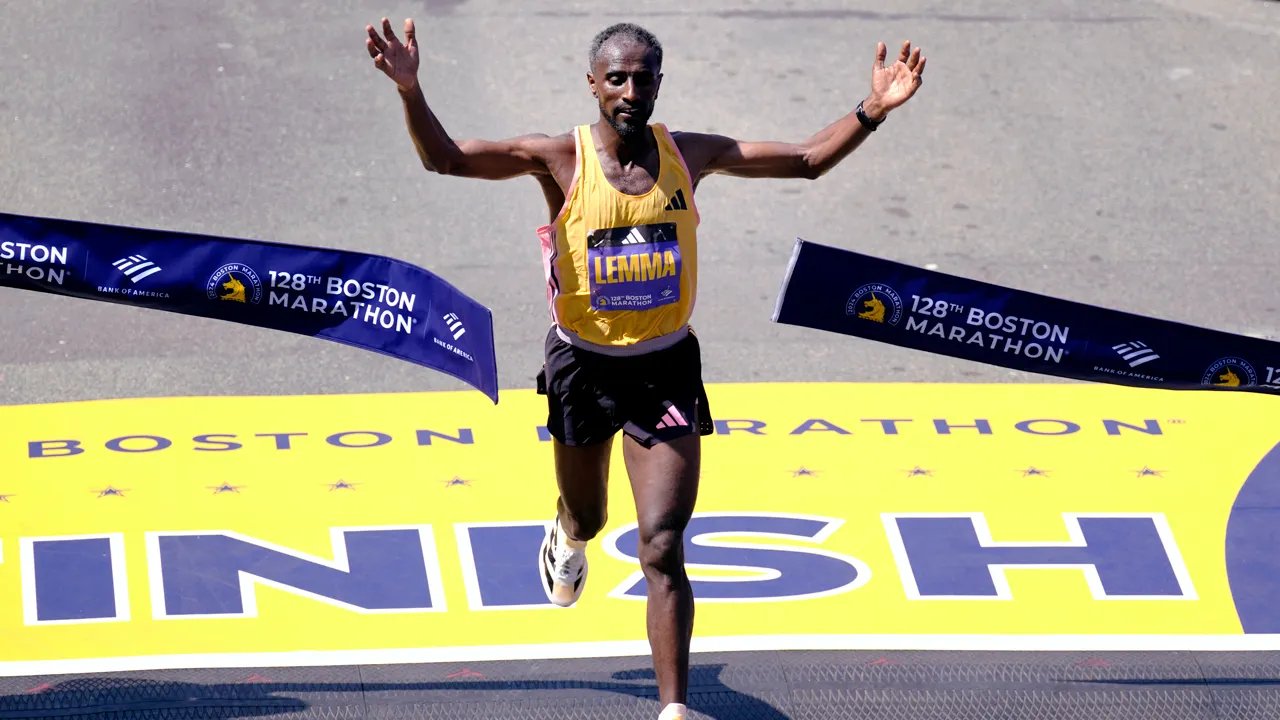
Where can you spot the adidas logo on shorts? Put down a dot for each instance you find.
(672, 418)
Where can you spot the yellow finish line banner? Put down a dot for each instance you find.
(405, 527)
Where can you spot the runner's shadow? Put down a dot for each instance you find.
(709, 695)
(143, 698)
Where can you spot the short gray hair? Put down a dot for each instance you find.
(630, 31)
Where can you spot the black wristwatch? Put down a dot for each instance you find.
(867, 122)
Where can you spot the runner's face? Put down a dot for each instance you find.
(625, 81)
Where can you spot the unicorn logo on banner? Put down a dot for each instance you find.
(874, 309)
(876, 302)
(235, 290)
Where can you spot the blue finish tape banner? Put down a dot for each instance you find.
(368, 301)
(853, 294)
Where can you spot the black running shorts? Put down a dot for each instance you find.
(656, 397)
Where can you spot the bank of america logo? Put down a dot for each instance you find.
(136, 267)
(1135, 353)
(455, 325)
(633, 238)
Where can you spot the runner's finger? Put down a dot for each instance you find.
(375, 38)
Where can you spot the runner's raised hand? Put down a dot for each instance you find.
(398, 60)
(893, 85)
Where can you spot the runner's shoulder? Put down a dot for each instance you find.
(554, 154)
(698, 149)
(693, 139)
(548, 146)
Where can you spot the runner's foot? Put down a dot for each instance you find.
(564, 567)
(674, 711)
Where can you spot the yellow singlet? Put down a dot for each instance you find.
(622, 270)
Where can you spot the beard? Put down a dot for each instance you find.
(631, 126)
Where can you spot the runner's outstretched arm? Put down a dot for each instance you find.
(485, 159)
(891, 86)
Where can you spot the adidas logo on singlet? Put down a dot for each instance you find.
(633, 238)
(677, 202)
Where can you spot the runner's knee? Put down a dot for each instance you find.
(662, 554)
(584, 522)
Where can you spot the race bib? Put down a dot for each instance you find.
(634, 268)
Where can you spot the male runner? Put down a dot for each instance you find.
(620, 256)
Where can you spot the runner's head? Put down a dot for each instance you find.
(625, 70)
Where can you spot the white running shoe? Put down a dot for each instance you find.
(674, 711)
(564, 566)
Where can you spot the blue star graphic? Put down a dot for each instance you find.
(1035, 471)
(803, 472)
(1148, 472)
(226, 488)
(342, 485)
(918, 471)
(108, 490)
(456, 481)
